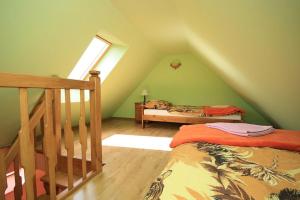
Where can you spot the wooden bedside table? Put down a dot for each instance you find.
(138, 112)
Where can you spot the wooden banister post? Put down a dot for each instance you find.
(95, 122)
(69, 138)
(18, 179)
(83, 134)
(3, 181)
(27, 146)
(49, 143)
(57, 119)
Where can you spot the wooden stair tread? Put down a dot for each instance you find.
(61, 179)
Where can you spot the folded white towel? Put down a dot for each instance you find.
(242, 129)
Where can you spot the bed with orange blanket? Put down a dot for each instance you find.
(211, 164)
(163, 111)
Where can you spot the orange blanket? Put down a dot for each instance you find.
(280, 139)
(216, 111)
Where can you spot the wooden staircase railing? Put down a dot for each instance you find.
(47, 113)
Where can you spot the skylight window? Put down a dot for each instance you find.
(89, 58)
(100, 55)
(88, 61)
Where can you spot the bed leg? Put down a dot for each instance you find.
(143, 125)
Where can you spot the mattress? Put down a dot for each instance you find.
(211, 164)
(166, 113)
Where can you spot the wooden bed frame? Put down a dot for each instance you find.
(182, 120)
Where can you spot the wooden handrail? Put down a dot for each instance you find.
(28, 81)
(12, 152)
(37, 115)
(47, 113)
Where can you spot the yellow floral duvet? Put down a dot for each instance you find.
(205, 171)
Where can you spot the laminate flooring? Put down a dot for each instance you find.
(128, 171)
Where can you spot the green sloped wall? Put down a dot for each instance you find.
(191, 84)
(47, 38)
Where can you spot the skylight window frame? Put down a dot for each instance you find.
(84, 72)
(103, 54)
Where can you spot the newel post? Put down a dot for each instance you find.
(95, 122)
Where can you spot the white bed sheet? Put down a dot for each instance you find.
(166, 113)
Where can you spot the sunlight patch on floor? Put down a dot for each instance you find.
(138, 142)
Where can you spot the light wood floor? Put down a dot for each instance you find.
(128, 172)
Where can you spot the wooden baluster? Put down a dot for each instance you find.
(27, 147)
(42, 128)
(83, 133)
(95, 122)
(18, 179)
(69, 139)
(3, 180)
(50, 143)
(57, 119)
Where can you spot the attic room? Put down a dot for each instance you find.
(153, 100)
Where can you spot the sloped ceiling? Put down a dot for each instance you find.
(254, 45)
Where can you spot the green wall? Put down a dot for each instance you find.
(253, 46)
(191, 84)
(47, 38)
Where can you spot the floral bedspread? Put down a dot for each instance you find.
(204, 171)
(187, 110)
